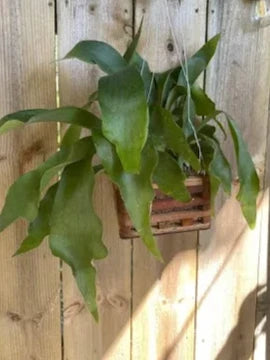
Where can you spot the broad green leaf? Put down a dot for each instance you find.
(170, 178)
(97, 52)
(67, 155)
(249, 180)
(133, 45)
(70, 115)
(23, 196)
(86, 281)
(14, 120)
(135, 189)
(203, 104)
(173, 136)
(143, 68)
(219, 166)
(22, 199)
(71, 135)
(214, 188)
(39, 228)
(125, 115)
(198, 62)
(75, 229)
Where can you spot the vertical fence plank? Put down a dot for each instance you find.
(29, 291)
(262, 331)
(110, 21)
(228, 256)
(164, 294)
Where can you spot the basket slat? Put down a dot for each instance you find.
(171, 216)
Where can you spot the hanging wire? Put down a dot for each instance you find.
(143, 65)
(153, 74)
(185, 71)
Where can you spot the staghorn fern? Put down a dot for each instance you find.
(144, 134)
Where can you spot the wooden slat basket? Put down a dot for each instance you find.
(171, 216)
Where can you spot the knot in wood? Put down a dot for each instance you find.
(14, 316)
(117, 301)
(73, 310)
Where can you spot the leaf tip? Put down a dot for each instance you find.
(95, 316)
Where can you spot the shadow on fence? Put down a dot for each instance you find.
(235, 346)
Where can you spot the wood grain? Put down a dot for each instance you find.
(29, 291)
(262, 331)
(228, 256)
(164, 294)
(110, 21)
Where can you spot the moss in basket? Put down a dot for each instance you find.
(153, 127)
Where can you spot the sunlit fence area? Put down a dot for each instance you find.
(210, 299)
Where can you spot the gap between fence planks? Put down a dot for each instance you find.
(229, 253)
(163, 325)
(29, 290)
(110, 21)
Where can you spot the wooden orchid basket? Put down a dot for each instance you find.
(169, 215)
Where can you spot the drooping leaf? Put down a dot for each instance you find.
(220, 125)
(135, 189)
(219, 166)
(189, 114)
(203, 104)
(71, 135)
(39, 228)
(10, 125)
(172, 135)
(14, 120)
(133, 45)
(170, 178)
(214, 188)
(97, 52)
(249, 180)
(125, 115)
(75, 229)
(23, 196)
(22, 199)
(67, 155)
(198, 62)
(70, 115)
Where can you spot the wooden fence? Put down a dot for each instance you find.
(209, 300)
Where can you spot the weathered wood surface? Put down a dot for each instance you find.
(163, 321)
(29, 290)
(110, 21)
(229, 253)
(206, 303)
